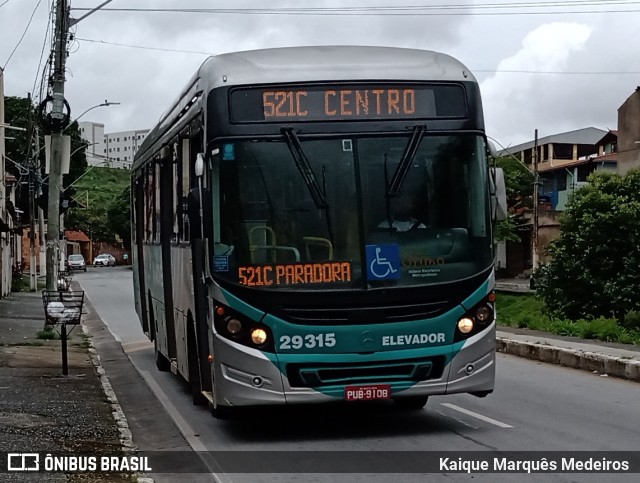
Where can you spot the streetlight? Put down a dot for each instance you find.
(106, 103)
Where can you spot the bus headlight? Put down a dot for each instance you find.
(483, 314)
(259, 336)
(242, 329)
(234, 326)
(465, 325)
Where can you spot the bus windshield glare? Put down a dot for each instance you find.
(320, 214)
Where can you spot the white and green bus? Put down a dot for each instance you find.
(314, 224)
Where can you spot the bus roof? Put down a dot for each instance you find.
(330, 63)
(310, 64)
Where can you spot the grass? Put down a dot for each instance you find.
(21, 283)
(526, 311)
(48, 334)
(102, 185)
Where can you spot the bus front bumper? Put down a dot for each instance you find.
(247, 377)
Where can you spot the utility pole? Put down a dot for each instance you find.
(57, 126)
(534, 234)
(33, 274)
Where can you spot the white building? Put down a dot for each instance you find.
(113, 149)
(93, 133)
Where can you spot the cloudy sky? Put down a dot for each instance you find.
(551, 65)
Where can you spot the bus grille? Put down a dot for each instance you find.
(363, 315)
(318, 375)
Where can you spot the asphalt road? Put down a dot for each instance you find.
(535, 407)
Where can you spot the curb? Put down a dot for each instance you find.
(126, 440)
(116, 411)
(587, 361)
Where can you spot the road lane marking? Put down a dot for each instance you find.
(186, 429)
(476, 415)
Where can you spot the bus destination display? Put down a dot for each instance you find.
(342, 103)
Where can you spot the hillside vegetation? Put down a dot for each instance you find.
(101, 186)
(96, 192)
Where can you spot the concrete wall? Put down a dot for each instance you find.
(5, 238)
(629, 133)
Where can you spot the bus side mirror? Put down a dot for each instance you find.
(493, 153)
(199, 168)
(498, 188)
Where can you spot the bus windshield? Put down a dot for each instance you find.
(319, 214)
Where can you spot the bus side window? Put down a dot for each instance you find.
(184, 228)
(175, 173)
(149, 194)
(156, 226)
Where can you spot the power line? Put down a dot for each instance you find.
(143, 47)
(491, 71)
(406, 10)
(4, 3)
(23, 35)
(550, 72)
(44, 45)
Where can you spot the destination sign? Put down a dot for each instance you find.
(343, 103)
(294, 274)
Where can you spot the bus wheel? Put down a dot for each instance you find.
(217, 411)
(162, 363)
(414, 403)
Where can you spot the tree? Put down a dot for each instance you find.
(20, 112)
(92, 221)
(595, 269)
(103, 187)
(519, 186)
(119, 217)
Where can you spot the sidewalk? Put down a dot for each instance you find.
(42, 410)
(513, 285)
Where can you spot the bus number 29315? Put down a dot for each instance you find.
(309, 341)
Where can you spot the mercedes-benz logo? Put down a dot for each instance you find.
(367, 339)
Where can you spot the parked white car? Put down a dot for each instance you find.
(105, 260)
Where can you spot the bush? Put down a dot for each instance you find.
(632, 320)
(595, 267)
(19, 283)
(48, 334)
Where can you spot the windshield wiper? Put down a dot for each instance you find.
(393, 188)
(302, 163)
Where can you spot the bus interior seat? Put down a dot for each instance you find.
(263, 247)
(312, 241)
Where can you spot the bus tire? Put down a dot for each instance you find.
(162, 363)
(220, 412)
(413, 403)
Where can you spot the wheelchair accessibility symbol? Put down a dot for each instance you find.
(383, 262)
